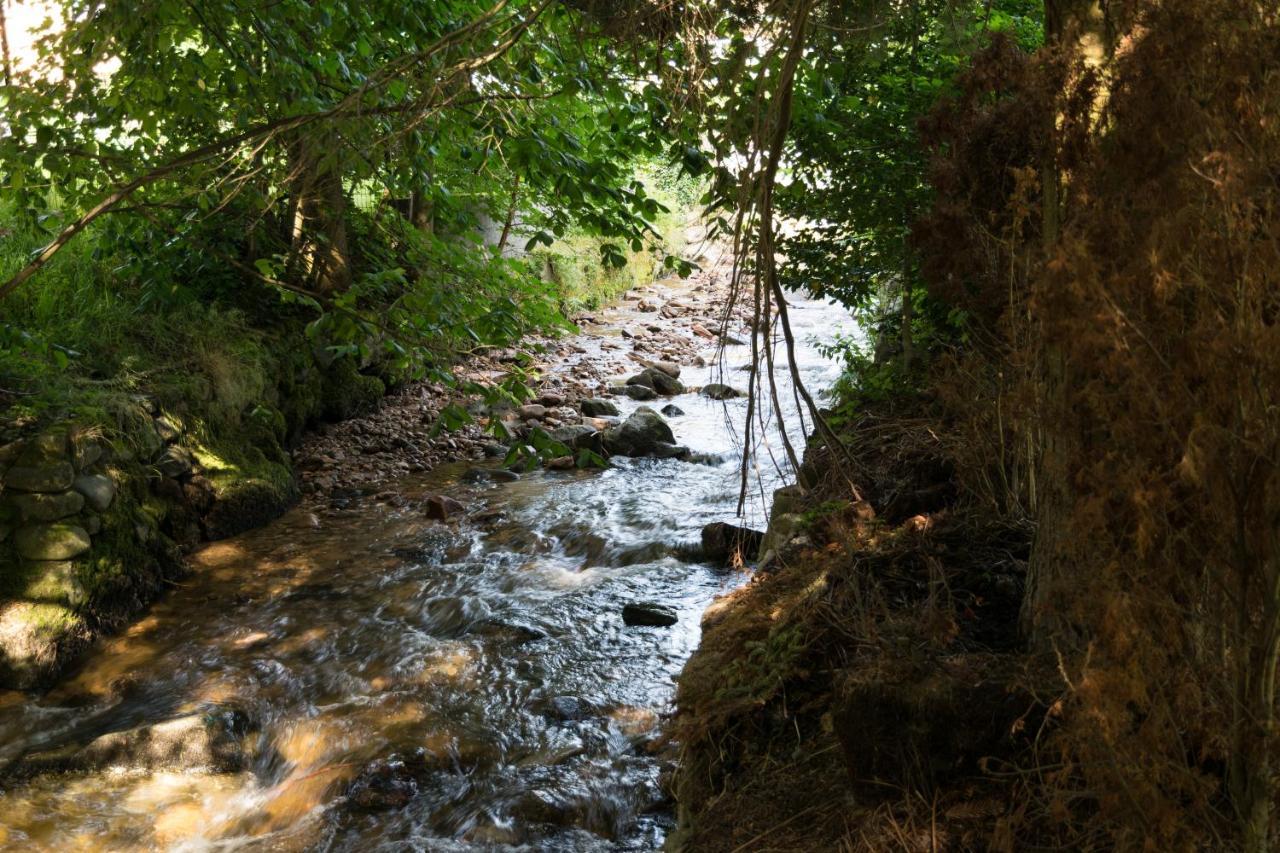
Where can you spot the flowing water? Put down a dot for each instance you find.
(487, 657)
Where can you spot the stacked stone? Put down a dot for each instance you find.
(52, 491)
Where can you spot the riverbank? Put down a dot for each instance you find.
(877, 660)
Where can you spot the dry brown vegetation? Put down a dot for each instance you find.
(1111, 225)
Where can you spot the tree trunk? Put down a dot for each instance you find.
(320, 247)
(4, 45)
(1083, 25)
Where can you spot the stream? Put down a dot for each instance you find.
(391, 683)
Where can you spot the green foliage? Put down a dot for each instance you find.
(857, 177)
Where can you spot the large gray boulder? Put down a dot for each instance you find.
(578, 436)
(639, 435)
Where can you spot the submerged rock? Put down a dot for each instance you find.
(388, 783)
(442, 507)
(490, 475)
(650, 614)
(718, 391)
(212, 739)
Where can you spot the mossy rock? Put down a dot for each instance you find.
(347, 392)
(249, 488)
(34, 640)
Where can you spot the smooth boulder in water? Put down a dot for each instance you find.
(639, 435)
(661, 382)
(671, 410)
(725, 543)
(593, 407)
(649, 614)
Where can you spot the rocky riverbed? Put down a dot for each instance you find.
(670, 323)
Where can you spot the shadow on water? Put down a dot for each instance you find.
(390, 682)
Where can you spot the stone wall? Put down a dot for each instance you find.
(91, 528)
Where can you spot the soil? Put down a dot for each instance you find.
(856, 695)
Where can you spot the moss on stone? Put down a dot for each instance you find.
(348, 392)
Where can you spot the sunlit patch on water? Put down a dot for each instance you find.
(398, 683)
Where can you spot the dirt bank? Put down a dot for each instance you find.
(859, 692)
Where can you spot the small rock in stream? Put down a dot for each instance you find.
(596, 408)
(671, 410)
(650, 614)
(442, 507)
(717, 391)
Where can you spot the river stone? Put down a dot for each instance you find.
(47, 506)
(671, 410)
(717, 391)
(597, 408)
(52, 541)
(783, 527)
(454, 615)
(53, 477)
(786, 500)
(724, 542)
(640, 392)
(44, 448)
(650, 614)
(55, 581)
(662, 383)
(578, 436)
(668, 367)
(496, 451)
(638, 435)
(388, 783)
(551, 399)
(490, 475)
(211, 739)
(535, 411)
(442, 507)
(98, 489)
(663, 450)
(9, 453)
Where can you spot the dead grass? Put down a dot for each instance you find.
(854, 698)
